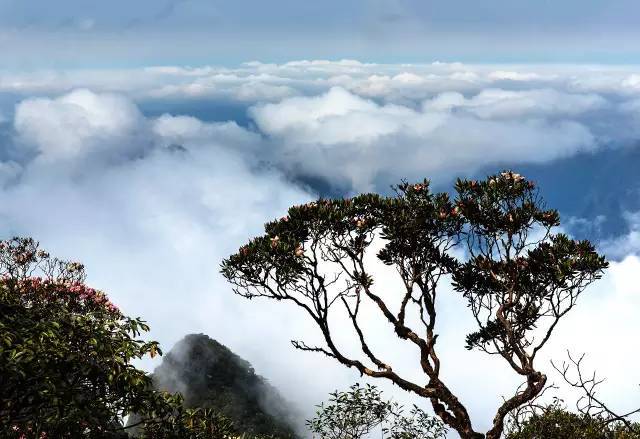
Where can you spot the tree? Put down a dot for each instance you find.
(518, 277)
(352, 414)
(356, 413)
(66, 352)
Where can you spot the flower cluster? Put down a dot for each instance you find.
(72, 294)
(418, 187)
(510, 175)
(359, 222)
(37, 278)
(26, 433)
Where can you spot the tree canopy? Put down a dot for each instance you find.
(518, 277)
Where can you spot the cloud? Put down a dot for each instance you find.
(627, 244)
(494, 103)
(258, 91)
(190, 130)
(430, 119)
(336, 117)
(395, 83)
(342, 137)
(81, 124)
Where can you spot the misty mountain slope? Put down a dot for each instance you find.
(208, 374)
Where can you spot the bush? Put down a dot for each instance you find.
(66, 351)
(558, 423)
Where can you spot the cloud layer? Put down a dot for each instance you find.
(360, 126)
(152, 203)
(342, 137)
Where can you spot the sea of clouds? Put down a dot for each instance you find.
(152, 203)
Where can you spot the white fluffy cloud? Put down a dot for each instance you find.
(339, 117)
(338, 136)
(81, 124)
(343, 137)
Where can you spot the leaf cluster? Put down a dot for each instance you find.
(355, 413)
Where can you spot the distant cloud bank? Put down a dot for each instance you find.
(362, 126)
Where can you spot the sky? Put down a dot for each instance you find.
(79, 33)
(150, 140)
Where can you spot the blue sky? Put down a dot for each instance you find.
(150, 139)
(36, 33)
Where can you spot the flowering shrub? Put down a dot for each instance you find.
(66, 351)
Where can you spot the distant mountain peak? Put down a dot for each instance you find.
(208, 374)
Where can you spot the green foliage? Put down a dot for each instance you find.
(361, 410)
(541, 277)
(412, 223)
(198, 423)
(558, 423)
(65, 350)
(352, 414)
(190, 424)
(416, 425)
